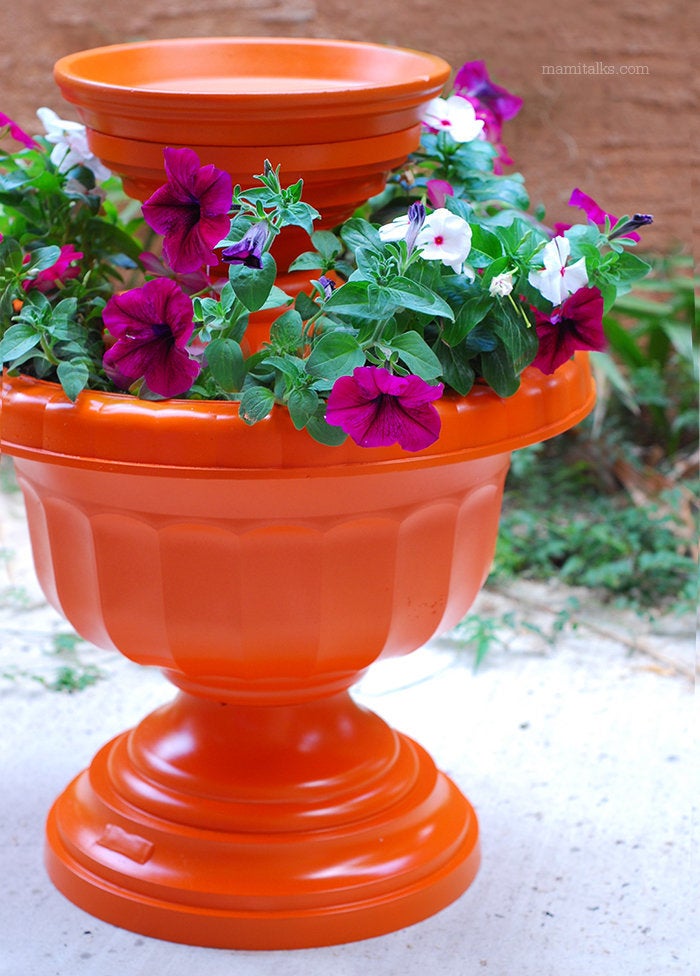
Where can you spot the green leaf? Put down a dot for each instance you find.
(497, 370)
(256, 403)
(460, 207)
(308, 261)
(499, 266)
(302, 404)
(305, 305)
(486, 242)
(253, 285)
(73, 377)
(276, 299)
(17, 341)
(226, 363)
(519, 340)
(43, 257)
(11, 255)
(334, 354)
(326, 243)
(457, 370)
(353, 298)
(286, 331)
(471, 312)
(417, 355)
(358, 233)
(629, 268)
(409, 294)
(323, 432)
(299, 215)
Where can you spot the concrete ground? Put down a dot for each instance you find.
(575, 748)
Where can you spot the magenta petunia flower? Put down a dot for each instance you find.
(152, 326)
(191, 282)
(597, 215)
(190, 210)
(378, 409)
(493, 105)
(438, 191)
(17, 133)
(472, 81)
(576, 324)
(63, 269)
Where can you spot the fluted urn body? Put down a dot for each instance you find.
(263, 573)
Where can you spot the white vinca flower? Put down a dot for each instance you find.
(70, 145)
(557, 280)
(396, 230)
(502, 284)
(445, 237)
(454, 115)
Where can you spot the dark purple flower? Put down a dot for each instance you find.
(17, 133)
(190, 210)
(576, 324)
(472, 81)
(327, 284)
(249, 250)
(416, 219)
(378, 409)
(627, 229)
(152, 326)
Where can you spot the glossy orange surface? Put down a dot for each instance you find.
(263, 573)
(340, 114)
(105, 430)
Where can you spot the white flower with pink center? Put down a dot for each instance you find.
(454, 115)
(558, 279)
(445, 237)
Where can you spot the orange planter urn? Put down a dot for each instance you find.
(338, 114)
(263, 572)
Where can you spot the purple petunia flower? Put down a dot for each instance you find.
(190, 210)
(17, 133)
(493, 105)
(472, 81)
(378, 409)
(249, 250)
(576, 324)
(152, 326)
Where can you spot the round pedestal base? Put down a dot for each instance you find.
(262, 828)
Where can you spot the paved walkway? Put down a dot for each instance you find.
(577, 755)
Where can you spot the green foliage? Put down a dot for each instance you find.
(558, 524)
(55, 331)
(649, 384)
(449, 308)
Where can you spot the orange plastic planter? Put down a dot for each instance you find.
(263, 573)
(339, 114)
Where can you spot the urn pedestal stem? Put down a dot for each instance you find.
(262, 827)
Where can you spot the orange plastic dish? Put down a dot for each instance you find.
(295, 90)
(340, 114)
(263, 808)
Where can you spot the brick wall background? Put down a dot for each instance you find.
(621, 134)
